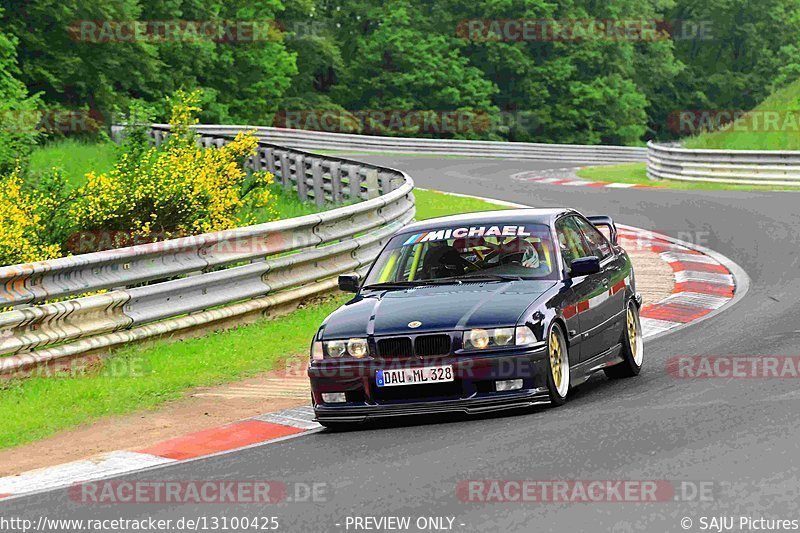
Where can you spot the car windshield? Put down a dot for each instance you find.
(460, 253)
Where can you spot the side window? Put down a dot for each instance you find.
(571, 241)
(597, 241)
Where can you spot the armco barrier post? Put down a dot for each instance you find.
(336, 182)
(286, 170)
(316, 175)
(371, 182)
(300, 175)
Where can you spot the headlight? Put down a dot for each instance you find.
(357, 347)
(504, 336)
(480, 339)
(524, 335)
(316, 351)
(353, 347)
(336, 348)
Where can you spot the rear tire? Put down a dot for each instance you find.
(558, 362)
(632, 347)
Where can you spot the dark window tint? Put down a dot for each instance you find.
(571, 241)
(597, 241)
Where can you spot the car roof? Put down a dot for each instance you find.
(530, 216)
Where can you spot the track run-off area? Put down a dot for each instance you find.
(734, 438)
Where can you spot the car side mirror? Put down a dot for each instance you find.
(348, 283)
(584, 266)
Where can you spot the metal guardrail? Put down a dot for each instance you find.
(160, 288)
(745, 167)
(316, 140)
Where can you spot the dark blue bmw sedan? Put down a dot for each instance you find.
(479, 312)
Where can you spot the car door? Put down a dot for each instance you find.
(611, 305)
(583, 319)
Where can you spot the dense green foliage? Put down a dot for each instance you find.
(361, 60)
(241, 81)
(17, 109)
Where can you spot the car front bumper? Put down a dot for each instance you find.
(472, 391)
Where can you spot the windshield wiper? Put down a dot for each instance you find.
(396, 284)
(402, 284)
(477, 277)
(494, 277)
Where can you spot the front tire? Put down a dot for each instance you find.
(632, 347)
(558, 361)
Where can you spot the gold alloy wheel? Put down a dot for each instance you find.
(634, 336)
(555, 359)
(559, 363)
(632, 330)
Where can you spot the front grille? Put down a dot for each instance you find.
(432, 345)
(395, 347)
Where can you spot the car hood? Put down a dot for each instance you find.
(437, 307)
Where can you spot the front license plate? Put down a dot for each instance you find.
(414, 376)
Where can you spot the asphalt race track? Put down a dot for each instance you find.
(741, 436)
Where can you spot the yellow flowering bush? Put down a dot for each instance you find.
(21, 215)
(177, 189)
(151, 194)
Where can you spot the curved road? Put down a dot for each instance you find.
(741, 437)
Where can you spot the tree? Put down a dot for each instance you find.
(392, 66)
(58, 58)
(18, 111)
(243, 74)
(86, 54)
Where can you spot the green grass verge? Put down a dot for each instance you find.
(752, 132)
(145, 376)
(74, 158)
(287, 205)
(637, 173)
(431, 204)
